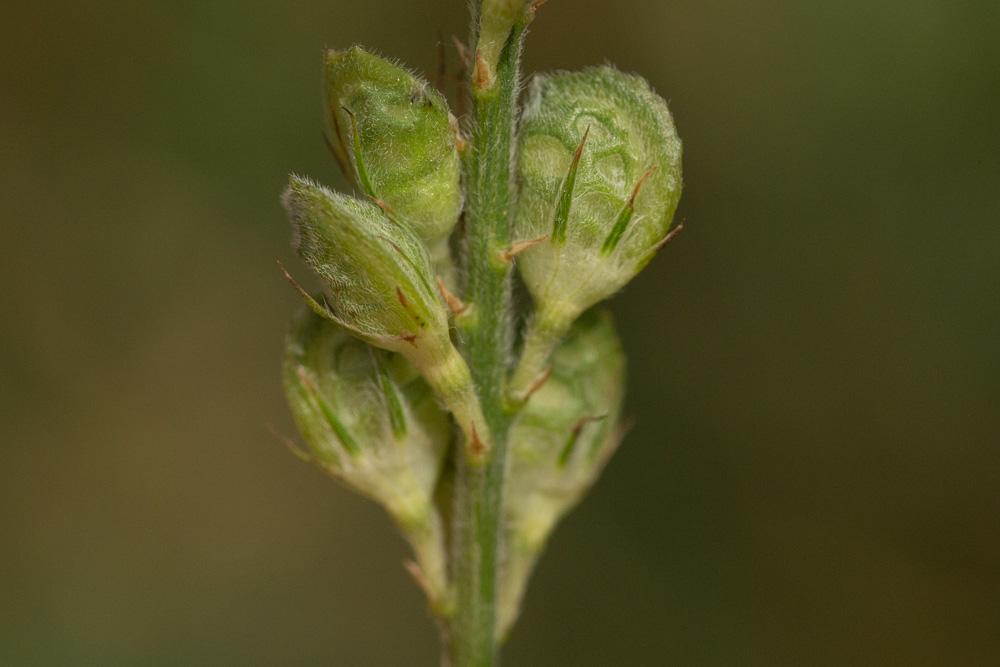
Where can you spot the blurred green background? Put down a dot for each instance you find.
(814, 477)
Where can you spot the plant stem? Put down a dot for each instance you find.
(486, 340)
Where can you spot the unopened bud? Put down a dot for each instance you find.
(559, 446)
(599, 168)
(376, 271)
(371, 421)
(394, 132)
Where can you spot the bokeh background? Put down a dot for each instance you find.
(814, 478)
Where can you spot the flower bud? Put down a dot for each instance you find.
(600, 173)
(376, 270)
(367, 417)
(396, 135)
(559, 446)
(369, 420)
(378, 276)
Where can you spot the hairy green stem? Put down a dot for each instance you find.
(486, 341)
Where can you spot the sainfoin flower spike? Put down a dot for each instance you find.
(370, 420)
(559, 446)
(576, 190)
(599, 169)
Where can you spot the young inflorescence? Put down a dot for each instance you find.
(410, 333)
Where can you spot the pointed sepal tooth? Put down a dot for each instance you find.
(621, 223)
(455, 304)
(327, 411)
(360, 168)
(671, 235)
(565, 202)
(390, 391)
(518, 247)
(574, 438)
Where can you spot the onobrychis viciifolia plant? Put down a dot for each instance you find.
(407, 374)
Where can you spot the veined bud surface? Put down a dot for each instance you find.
(367, 417)
(395, 135)
(370, 420)
(599, 168)
(560, 444)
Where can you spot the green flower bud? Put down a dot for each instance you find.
(371, 421)
(395, 132)
(378, 276)
(376, 270)
(559, 446)
(367, 416)
(600, 173)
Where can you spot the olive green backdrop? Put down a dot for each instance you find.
(813, 478)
